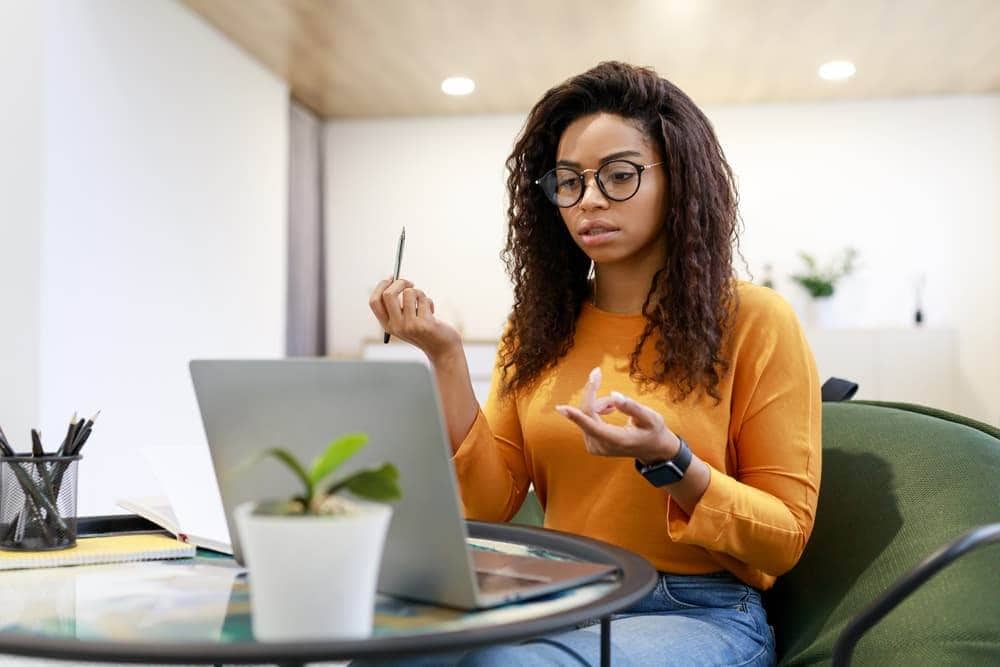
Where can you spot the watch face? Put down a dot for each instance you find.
(665, 473)
(678, 473)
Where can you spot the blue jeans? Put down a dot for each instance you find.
(712, 619)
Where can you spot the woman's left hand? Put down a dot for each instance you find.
(646, 437)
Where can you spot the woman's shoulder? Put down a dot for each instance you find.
(767, 334)
(761, 310)
(756, 302)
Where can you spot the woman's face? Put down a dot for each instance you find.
(610, 231)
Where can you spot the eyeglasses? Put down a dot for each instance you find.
(619, 180)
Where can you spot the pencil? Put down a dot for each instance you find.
(69, 432)
(36, 443)
(83, 434)
(75, 435)
(5, 446)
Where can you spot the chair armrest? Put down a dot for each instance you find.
(905, 585)
(838, 389)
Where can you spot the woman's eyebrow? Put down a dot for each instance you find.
(606, 158)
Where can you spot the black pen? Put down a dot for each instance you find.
(395, 273)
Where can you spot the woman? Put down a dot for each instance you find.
(704, 456)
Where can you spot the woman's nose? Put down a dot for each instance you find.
(592, 195)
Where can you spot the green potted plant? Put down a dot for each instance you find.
(821, 282)
(314, 558)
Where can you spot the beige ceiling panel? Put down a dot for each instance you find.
(350, 58)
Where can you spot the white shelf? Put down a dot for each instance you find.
(478, 354)
(907, 365)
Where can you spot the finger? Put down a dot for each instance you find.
(594, 427)
(425, 307)
(605, 404)
(380, 287)
(393, 307)
(409, 301)
(397, 286)
(375, 302)
(590, 392)
(640, 415)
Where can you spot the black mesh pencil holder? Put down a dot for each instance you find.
(38, 502)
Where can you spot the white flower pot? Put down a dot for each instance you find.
(820, 313)
(313, 576)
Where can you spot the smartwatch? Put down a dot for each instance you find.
(661, 473)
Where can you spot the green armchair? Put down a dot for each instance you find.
(899, 482)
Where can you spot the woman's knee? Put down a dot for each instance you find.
(524, 655)
(493, 656)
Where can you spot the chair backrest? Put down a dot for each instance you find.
(898, 482)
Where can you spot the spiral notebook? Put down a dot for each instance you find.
(93, 550)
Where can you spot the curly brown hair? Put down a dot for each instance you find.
(691, 297)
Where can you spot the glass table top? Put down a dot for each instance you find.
(207, 599)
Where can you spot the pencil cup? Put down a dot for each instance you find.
(38, 502)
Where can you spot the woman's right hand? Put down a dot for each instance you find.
(408, 314)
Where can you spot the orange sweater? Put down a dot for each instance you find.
(762, 443)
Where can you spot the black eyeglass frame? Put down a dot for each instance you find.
(639, 168)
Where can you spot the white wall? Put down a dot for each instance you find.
(443, 178)
(911, 183)
(20, 212)
(163, 226)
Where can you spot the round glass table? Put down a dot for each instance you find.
(197, 610)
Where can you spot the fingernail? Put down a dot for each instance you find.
(561, 409)
(618, 396)
(594, 374)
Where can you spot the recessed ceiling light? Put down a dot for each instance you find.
(458, 85)
(837, 70)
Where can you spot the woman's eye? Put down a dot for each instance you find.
(568, 183)
(622, 176)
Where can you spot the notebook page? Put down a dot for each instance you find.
(188, 479)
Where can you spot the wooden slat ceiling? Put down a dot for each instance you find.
(357, 58)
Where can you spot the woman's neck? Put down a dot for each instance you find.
(622, 286)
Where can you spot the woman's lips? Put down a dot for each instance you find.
(598, 236)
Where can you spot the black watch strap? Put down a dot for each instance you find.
(666, 472)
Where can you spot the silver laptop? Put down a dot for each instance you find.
(303, 404)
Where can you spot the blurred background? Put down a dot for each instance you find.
(228, 178)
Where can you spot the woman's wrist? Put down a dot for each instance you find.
(687, 493)
(447, 357)
(666, 448)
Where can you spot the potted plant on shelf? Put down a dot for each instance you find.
(822, 282)
(314, 558)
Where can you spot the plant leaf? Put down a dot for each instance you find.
(336, 453)
(374, 484)
(293, 464)
(808, 260)
(284, 456)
